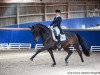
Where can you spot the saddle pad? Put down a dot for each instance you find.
(62, 36)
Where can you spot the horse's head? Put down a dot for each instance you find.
(40, 30)
(35, 31)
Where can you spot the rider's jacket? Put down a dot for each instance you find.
(57, 22)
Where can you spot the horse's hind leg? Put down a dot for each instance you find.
(52, 56)
(80, 53)
(69, 54)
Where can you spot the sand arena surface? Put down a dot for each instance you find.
(17, 63)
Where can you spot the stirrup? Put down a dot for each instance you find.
(59, 45)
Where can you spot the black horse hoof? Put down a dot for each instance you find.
(53, 65)
(31, 59)
(66, 63)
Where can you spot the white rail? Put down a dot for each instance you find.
(38, 46)
(95, 48)
(72, 48)
(15, 46)
(4, 45)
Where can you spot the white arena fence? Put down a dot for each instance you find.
(72, 48)
(93, 48)
(15, 45)
(38, 46)
(4, 45)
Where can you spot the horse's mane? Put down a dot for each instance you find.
(42, 26)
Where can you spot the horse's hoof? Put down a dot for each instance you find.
(66, 63)
(53, 65)
(82, 64)
(31, 59)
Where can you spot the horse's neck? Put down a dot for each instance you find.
(45, 35)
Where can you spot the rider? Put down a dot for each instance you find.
(56, 25)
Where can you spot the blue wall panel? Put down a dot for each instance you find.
(5, 36)
(16, 36)
(25, 36)
(91, 38)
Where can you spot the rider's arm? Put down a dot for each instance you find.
(53, 22)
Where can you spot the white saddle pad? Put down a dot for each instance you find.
(62, 36)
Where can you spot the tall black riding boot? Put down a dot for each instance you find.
(58, 44)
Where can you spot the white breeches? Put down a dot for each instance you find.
(57, 30)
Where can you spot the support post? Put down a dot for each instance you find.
(45, 13)
(17, 15)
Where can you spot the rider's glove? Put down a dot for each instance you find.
(50, 27)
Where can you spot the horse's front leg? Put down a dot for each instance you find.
(52, 56)
(38, 51)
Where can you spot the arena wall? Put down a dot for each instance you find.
(21, 35)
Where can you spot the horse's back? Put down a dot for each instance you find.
(70, 34)
(71, 37)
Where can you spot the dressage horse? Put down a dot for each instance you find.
(40, 30)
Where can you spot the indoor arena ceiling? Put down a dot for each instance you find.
(25, 1)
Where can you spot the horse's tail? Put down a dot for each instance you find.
(84, 48)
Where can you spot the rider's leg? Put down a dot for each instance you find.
(57, 30)
(61, 30)
(59, 43)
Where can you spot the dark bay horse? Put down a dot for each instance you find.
(49, 44)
